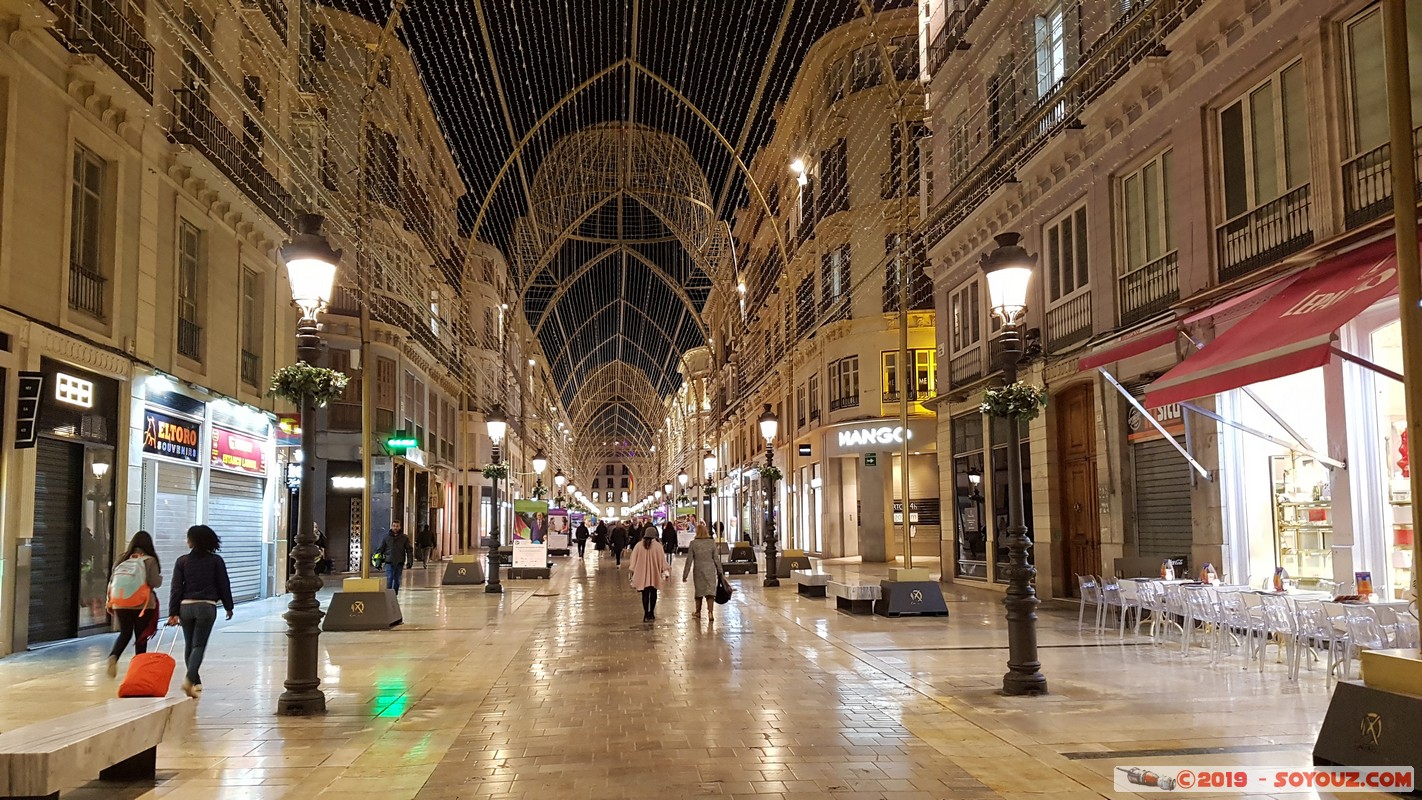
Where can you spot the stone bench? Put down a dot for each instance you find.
(117, 741)
(810, 583)
(856, 598)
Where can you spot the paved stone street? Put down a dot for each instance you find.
(559, 690)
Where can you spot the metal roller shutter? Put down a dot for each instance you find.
(174, 509)
(54, 565)
(235, 510)
(1162, 499)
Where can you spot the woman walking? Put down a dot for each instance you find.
(669, 541)
(648, 571)
(133, 599)
(199, 583)
(703, 562)
(619, 541)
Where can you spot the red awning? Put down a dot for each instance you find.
(1290, 333)
(1130, 347)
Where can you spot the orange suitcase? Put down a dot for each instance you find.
(150, 674)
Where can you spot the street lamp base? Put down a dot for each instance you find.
(493, 588)
(771, 581)
(1020, 683)
(301, 704)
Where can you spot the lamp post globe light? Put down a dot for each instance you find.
(540, 463)
(497, 425)
(311, 271)
(683, 479)
(1008, 271)
(708, 461)
(769, 425)
(560, 480)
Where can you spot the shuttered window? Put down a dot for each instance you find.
(235, 510)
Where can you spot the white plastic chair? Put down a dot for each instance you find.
(1280, 624)
(1204, 608)
(1131, 600)
(1110, 601)
(1090, 592)
(1317, 631)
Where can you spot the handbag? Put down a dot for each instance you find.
(724, 590)
(150, 674)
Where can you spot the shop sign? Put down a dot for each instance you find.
(1171, 417)
(171, 437)
(415, 456)
(871, 459)
(804, 450)
(925, 511)
(858, 437)
(288, 433)
(238, 452)
(74, 391)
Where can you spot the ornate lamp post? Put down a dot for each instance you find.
(498, 425)
(560, 480)
(769, 424)
(1008, 270)
(540, 463)
(311, 271)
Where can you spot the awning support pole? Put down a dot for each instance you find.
(1149, 417)
(1366, 364)
(1331, 463)
(1274, 415)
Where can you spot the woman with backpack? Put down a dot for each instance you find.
(132, 599)
(200, 583)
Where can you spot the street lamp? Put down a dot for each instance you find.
(709, 462)
(540, 463)
(1008, 270)
(311, 271)
(497, 425)
(769, 424)
(683, 479)
(560, 480)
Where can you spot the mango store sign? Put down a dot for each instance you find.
(863, 437)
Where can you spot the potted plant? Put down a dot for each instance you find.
(496, 472)
(771, 474)
(1018, 400)
(301, 381)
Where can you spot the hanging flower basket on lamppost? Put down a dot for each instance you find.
(300, 381)
(496, 472)
(1017, 400)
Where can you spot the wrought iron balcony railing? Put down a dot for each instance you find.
(99, 27)
(967, 367)
(251, 369)
(198, 127)
(86, 291)
(1069, 322)
(1268, 233)
(1367, 182)
(274, 11)
(840, 403)
(1149, 289)
(189, 339)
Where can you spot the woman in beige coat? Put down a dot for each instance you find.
(649, 565)
(704, 564)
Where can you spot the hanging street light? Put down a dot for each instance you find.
(560, 480)
(1008, 272)
(311, 271)
(769, 426)
(497, 425)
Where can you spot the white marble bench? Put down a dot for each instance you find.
(856, 598)
(810, 583)
(117, 740)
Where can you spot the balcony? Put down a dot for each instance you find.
(343, 416)
(198, 127)
(893, 396)
(1135, 37)
(274, 11)
(1069, 321)
(86, 291)
(966, 367)
(251, 369)
(189, 339)
(1367, 182)
(841, 403)
(1260, 237)
(950, 36)
(1150, 289)
(98, 27)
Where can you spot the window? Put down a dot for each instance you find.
(318, 42)
(834, 179)
(969, 493)
(804, 220)
(1002, 101)
(800, 407)
(609, 470)
(86, 228)
(903, 57)
(190, 258)
(904, 167)
(1264, 138)
(844, 383)
(490, 330)
(382, 165)
(1051, 49)
(834, 275)
(920, 289)
(252, 323)
(805, 305)
(865, 72)
(626, 483)
(252, 88)
(1065, 254)
(921, 375)
(382, 75)
(1145, 196)
(958, 150)
(253, 139)
(834, 82)
(814, 391)
(626, 470)
(1367, 93)
(965, 318)
(597, 483)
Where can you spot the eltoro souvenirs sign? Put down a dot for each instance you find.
(171, 437)
(238, 452)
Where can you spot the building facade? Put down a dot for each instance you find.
(1180, 168)
(813, 328)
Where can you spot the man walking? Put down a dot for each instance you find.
(582, 537)
(619, 541)
(425, 543)
(396, 554)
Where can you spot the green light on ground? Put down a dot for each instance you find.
(391, 698)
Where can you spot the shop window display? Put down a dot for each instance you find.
(970, 516)
(1386, 347)
(1303, 519)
